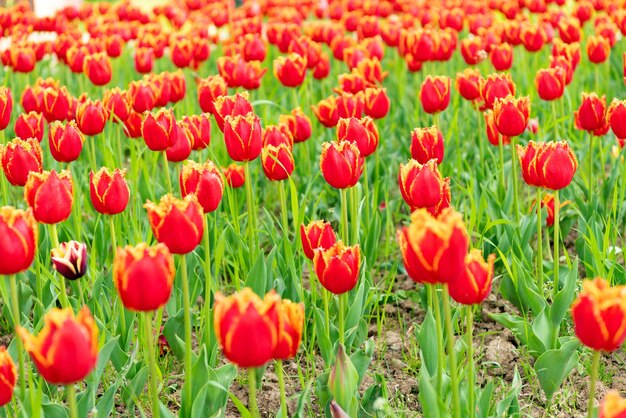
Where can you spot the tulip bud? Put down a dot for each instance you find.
(8, 376)
(496, 86)
(181, 51)
(290, 70)
(243, 136)
(144, 276)
(277, 161)
(181, 149)
(91, 116)
(511, 115)
(235, 175)
(56, 104)
(241, 318)
(472, 50)
(291, 321)
(204, 181)
(433, 248)
(209, 89)
(350, 105)
(160, 130)
(322, 69)
(468, 84)
(29, 125)
(362, 132)
(337, 267)
(50, 195)
(376, 103)
(421, 185)
(550, 83)
(144, 60)
(502, 57)
(493, 135)
(63, 337)
(343, 381)
(117, 103)
(326, 112)
(20, 157)
(18, 240)
(65, 142)
(231, 106)
(298, 123)
(176, 223)
(277, 135)
(435, 94)
(317, 234)
(142, 96)
(617, 117)
(598, 49)
(612, 406)
(23, 58)
(599, 314)
(109, 192)
(199, 127)
(474, 284)
(98, 68)
(70, 259)
(341, 164)
(6, 106)
(427, 144)
(591, 114)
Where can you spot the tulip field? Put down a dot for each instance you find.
(313, 208)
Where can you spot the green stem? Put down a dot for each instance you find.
(557, 208)
(71, 401)
(595, 364)
(252, 404)
(470, 357)
(454, 381)
(366, 194)
(166, 167)
(354, 210)
(344, 216)
(326, 295)
(539, 243)
(54, 237)
(502, 174)
(187, 320)
(514, 174)
(122, 312)
(250, 203)
(281, 384)
(439, 325)
(15, 306)
(342, 325)
(150, 353)
(590, 180)
(208, 284)
(554, 118)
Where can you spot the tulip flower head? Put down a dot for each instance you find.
(50, 195)
(474, 284)
(317, 234)
(8, 376)
(19, 158)
(109, 191)
(70, 259)
(18, 240)
(337, 267)
(612, 406)
(176, 223)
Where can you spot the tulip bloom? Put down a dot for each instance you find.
(70, 259)
(435, 94)
(97, 67)
(144, 276)
(277, 135)
(19, 158)
(56, 103)
(181, 149)
(277, 161)
(235, 175)
(290, 70)
(468, 83)
(108, 191)
(50, 195)
(341, 164)
(496, 86)
(549, 164)
(511, 115)
(599, 314)
(66, 350)
(326, 112)
(176, 223)
(617, 118)
(205, 182)
(337, 267)
(362, 132)
(29, 125)
(591, 114)
(550, 83)
(421, 185)
(142, 96)
(502, 57)
(376, 102)
(65, 142)
(243, 136)
(231, 106)
(317, 234)
(548, 203)
(18, 240)
(117, 103)
(209, 89)
(427, 144)
(8, 376)
(160, 130)
(474, 284)
(598, 49)
(241, 318)
(6, 106)
(298, 123)
(144, 60)
(433, 248)
(291, 322)
(612, 406)
(91, 116)
(493, 135)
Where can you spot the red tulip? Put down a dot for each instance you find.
(65, 142)
(591, 114)
(493, 135)
(97, 67)
(502, 57)
(317, 234)
(598, 49)
(243, 136)
(298, 123)
(142, 96)
(199, 127)
(612, 406)
(291, 320)
(337, 267)
(181, 149)
(50, 195)
(362, 132)
(276, 135)
(496, 86)
(160, 131)
(427, 144)
(235, 175)
(511, 115)
(231, 106)
(617, 117)
(144, 60)
(144, 276)
(474, 284)
(8, 376)
(176, 223)
(326, 112)
(435, 94)
(376, 102)
(20, 157)
(56, 104)
(29, 125)
(468, 84)
(203, 180)
(350, 105)
(277, 162)
(421, 185)
(181, 50)
(91, 116)
(109, 192)
(6, 106)
(209, 89)
(18, 240)
(290, 70)
(341, 164)
(117, 103)
(550, 83)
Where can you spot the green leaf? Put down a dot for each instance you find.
(509, 402)
(174, 331)
(428, 343)
(106, 402)
(428, 396)
(564, 298)
(136, 385)
(554, 366)
(484, 400)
